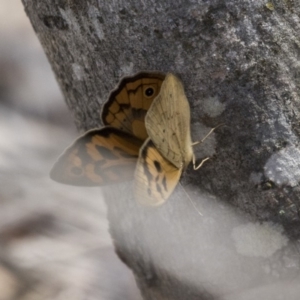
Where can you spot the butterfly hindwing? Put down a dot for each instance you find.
(99, 157)
(128, 104)
(168, 123)
(155, 176)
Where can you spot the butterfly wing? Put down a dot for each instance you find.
(168, 122)
(155, 177)
(99, 157)
(128, 104)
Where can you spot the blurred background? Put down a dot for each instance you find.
(54, 240)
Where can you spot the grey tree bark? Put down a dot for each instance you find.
(239, 62)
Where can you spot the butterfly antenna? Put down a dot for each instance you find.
(197, 210)
(209, 133)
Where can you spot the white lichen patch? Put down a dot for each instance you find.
(94, 14)
(208, 146)
(258, 240)
(256, 177)
(77, 71)
(70, 18)
(127, 69)
(284, 167)
(213, 107)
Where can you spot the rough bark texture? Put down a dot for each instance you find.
(239, 63)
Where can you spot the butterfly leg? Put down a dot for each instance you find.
(194, 205)
(201, 163)
(207, 135)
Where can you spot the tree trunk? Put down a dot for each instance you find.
(238, 61)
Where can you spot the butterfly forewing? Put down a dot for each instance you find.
(99, 157)
(168, 123)
(128, 104)
(155, 176)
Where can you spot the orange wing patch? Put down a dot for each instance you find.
(128, 104)
(99, 157)
(155, 177)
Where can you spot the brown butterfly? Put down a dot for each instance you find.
(109, 154)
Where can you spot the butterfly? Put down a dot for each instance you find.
(108, 155)
(169, 148)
